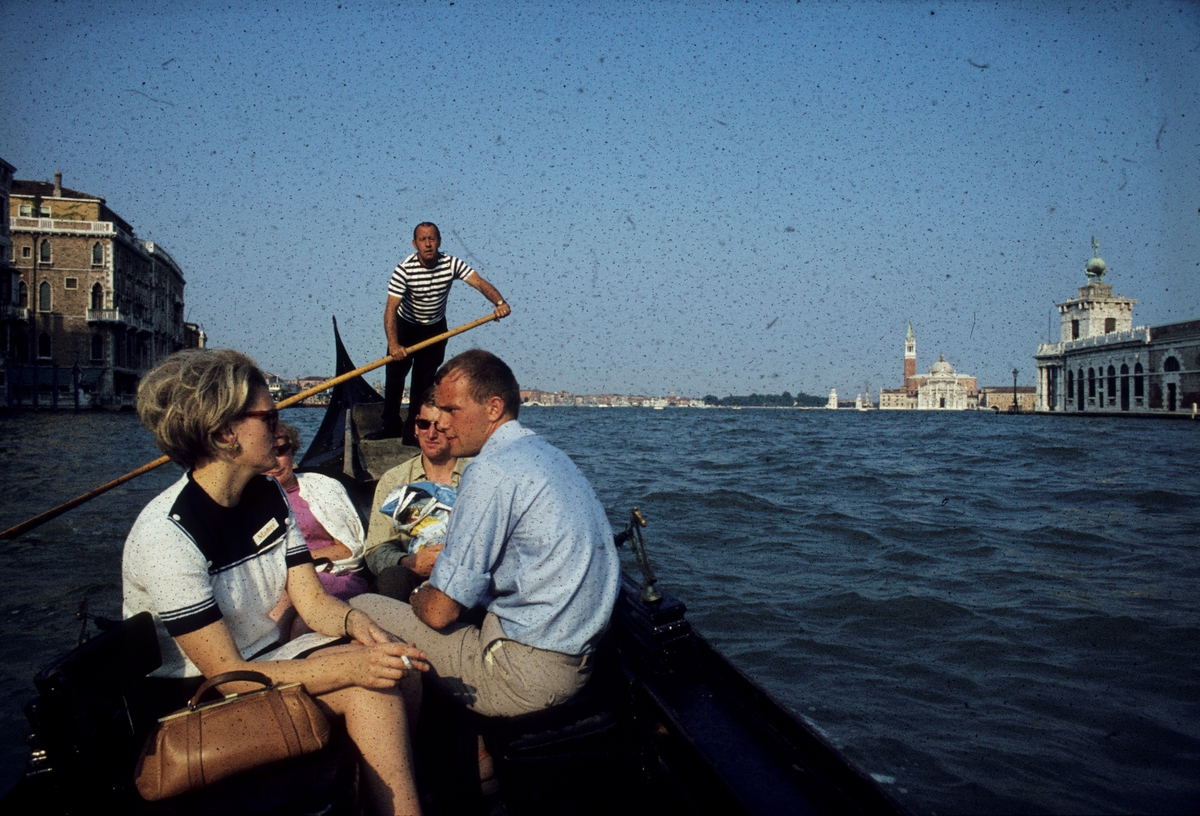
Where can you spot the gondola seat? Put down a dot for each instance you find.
(95, 707)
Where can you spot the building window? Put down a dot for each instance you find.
(1112, 384)
(26, 252)
(44, 300)
(1110, 325)
(1074, 329)
(97, 254)
(1139, 388)
(44, 255)
(71, 283)
(97, 296)
(97, 347)
(22, 295)
(1171, 364)
(1091, 383)
(44, 346)
(1070, 385)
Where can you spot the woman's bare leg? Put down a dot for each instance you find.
(378, 723)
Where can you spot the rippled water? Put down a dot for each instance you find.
(989, 613)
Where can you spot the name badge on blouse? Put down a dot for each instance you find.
(262, 535)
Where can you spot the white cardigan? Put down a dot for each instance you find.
(332, 507)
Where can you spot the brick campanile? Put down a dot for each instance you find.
(910, 356)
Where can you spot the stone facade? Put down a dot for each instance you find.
(1102, 363)
(940, 390)
(91, 295)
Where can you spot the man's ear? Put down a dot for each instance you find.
(495, 408)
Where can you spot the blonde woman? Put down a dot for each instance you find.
(216, 555)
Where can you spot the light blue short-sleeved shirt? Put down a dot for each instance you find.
(529, 538)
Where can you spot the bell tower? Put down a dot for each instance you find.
(910, 356)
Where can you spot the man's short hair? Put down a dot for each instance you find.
(489, 375)
(427, 224)
(427, 399)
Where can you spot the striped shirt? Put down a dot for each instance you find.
(423, 292)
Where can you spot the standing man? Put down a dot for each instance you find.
(528, 540)
(416, 311)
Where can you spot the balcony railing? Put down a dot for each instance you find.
(69, 226)
(10, 312)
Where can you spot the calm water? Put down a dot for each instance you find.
(991, 614)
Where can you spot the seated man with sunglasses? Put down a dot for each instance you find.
(397, 572)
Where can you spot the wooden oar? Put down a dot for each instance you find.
(38, 520)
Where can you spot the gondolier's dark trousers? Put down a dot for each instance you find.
(424, 365)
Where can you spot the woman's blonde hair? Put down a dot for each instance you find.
(192, 397)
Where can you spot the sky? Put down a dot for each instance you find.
(688, 197)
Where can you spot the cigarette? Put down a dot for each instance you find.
(407, 663)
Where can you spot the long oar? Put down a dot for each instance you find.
(37, 521)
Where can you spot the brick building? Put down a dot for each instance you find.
(11, 315)
(90, 295)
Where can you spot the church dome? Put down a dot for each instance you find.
(941, 366)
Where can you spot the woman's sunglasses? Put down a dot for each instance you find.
(270, 417)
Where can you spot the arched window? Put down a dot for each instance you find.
(44, 303)
(97, 347)
(44, 251)
(97, 254)
(22, 295)
(1070, 384)
(97, 296)
(1171, 364)
(44, 348)
(1091, 383)
(1139, 388)
(1112, 384)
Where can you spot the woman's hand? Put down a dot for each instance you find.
(384, 665)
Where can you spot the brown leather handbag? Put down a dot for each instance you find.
(206, 742)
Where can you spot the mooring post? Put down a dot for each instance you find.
(54, 386)
(75, 383)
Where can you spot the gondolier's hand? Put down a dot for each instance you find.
(502, 310)
(396, 351)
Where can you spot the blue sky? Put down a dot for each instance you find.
(691, 197)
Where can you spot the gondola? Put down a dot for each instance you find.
(667, 724)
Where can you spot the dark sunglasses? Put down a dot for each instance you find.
(270, 417)
(423, 424)
(284, 449)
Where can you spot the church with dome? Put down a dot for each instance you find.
(1103, 363)
(940, 390)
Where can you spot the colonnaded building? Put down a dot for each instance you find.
(941, 390)
(89, 306)
(1102, 363)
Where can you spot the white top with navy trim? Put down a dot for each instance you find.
(423, 292)
(191, 562)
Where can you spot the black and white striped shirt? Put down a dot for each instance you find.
(423, 292)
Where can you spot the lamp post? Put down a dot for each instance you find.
(1015, 408)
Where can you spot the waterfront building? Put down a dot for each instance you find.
(999, 398)
(11, 314)
(831, 403)
(97, 306)
(941, 390)
(1103, 363)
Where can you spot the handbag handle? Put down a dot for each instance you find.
(227, 677)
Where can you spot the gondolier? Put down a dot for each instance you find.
(416, 311)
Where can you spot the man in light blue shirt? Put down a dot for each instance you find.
(528, 540)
